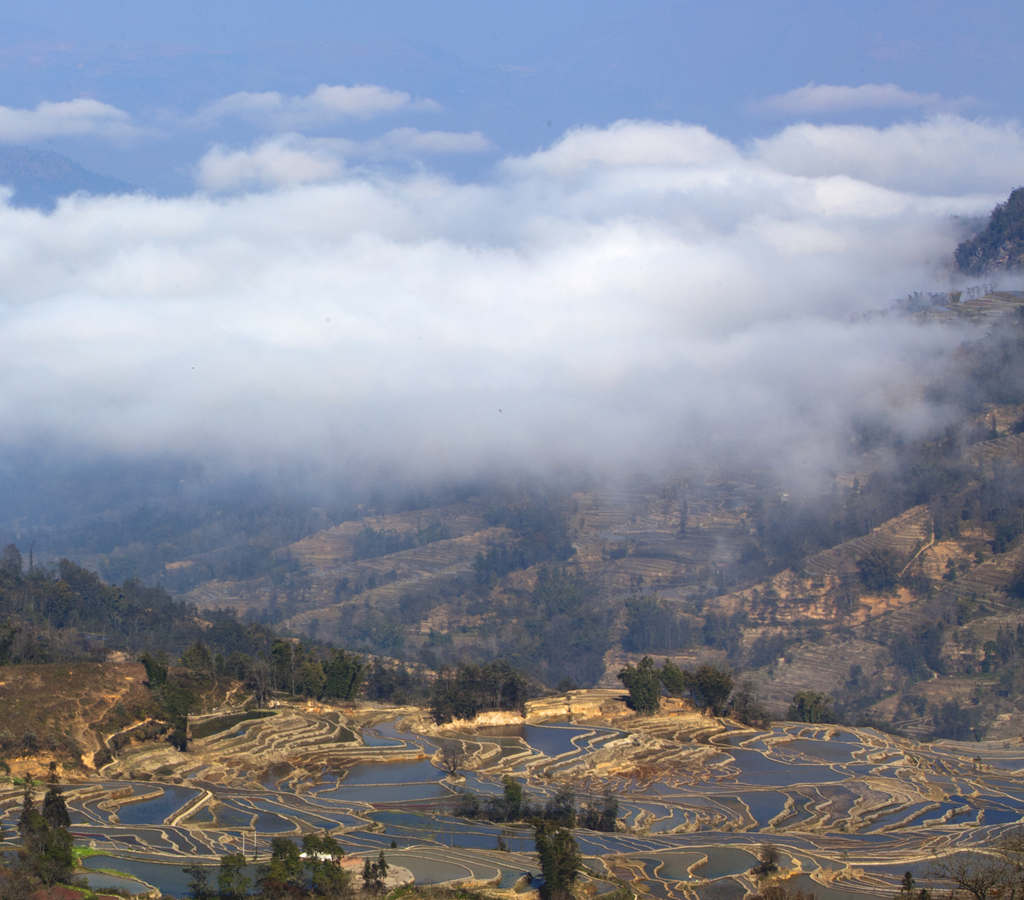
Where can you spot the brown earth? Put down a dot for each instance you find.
(64, 699)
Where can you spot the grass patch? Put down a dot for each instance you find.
(80, 853)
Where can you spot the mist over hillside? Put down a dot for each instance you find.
(626, 298)
(642, 298)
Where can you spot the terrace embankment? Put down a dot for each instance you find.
(849, 809)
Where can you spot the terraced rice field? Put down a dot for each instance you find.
(850, 810)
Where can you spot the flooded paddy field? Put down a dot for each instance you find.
(848, 810)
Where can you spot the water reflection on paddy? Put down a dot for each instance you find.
(761, 770)
(386, 793)
(725, 861)
(830, 751)
(383, 734)
(806, 782)
(170, 879)
(100, 881)
(553, 740)
(391, 773)
(764, 805)
(157, 809)
(675, 866)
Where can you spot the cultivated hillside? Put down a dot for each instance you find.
(893, 588)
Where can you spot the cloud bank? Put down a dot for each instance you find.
(297, 159)
(67, 118)
(822, 99)
(641, 295)
(326, 103)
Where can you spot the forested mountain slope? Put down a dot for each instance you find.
(1000, 244)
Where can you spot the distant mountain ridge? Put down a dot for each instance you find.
(1000, 244)
(40, 177)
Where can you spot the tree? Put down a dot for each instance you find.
(232, 882)
(810, 706)
(996, 871)
(10, 560)
(982, 875)
(672, 678)
(177, 700)
(321, 854)
(453, 756)
(312, 678)
(767, 862)
(369, 876)
(907, 886)
(559, 860)
(463, 692)
(282, 876)
(198, 659)
(561, 808)
(156, 669)
(513, 797)
(344, 673)
(602, 817)
(709, 688)
(609, 812)
(879, 569)
(198, 882)
(46, 849)
(330, 880)
(55, 810)
(644, 685)
(375, 873)
(257, 680)
(747, 708)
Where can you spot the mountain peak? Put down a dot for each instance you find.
(40, 177)
(1000, 244)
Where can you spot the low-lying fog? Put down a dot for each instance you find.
(630, 296)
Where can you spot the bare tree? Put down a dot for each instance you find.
(980, 874)
(453, 756)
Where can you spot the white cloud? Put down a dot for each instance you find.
(413, 141)
(821, 99)
(297, 159)
(944, 154)
(324, 104)
(286, 159)
(628, 143)
(81, 116)
(632, 295)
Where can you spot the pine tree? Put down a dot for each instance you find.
(55, 810)
(559, 861)
(46, 841)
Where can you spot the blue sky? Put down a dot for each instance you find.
(518, 74)
(441, 239)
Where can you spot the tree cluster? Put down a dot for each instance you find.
(463, 692)
(561, 808)
(294, 871)
(45, 853)
(811, 706)
(708, 687)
